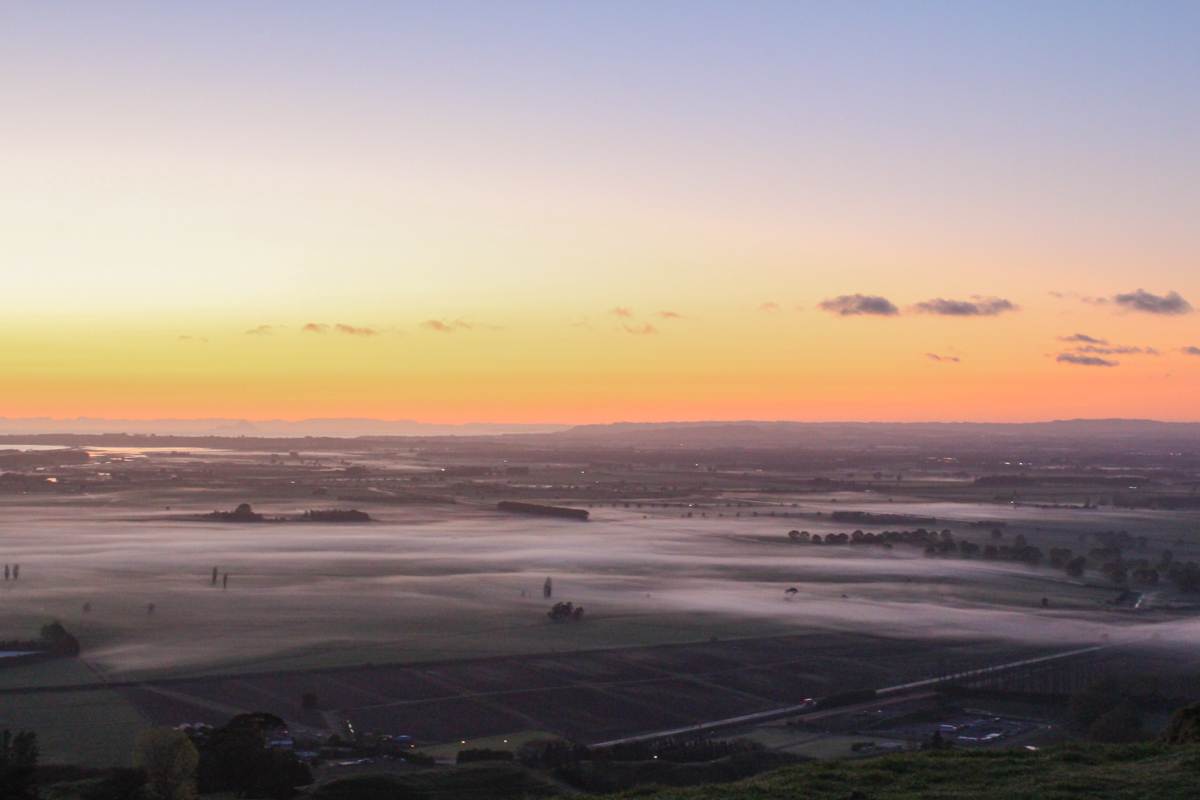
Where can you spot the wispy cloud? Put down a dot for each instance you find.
(977, 306)
(1171, 303)
(1190, 350)
(943, 359)
(1116, 350)
(849, 305)
(260, 330)
(669, 315)
(187, 337)
(1085, 360)
(446, 326)
(1097, 346)
(351, 330)
(768, 307)
(622, 312)
(1082, 338)
(640, 330)
(314, 327)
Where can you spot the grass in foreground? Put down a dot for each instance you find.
(1127, 772)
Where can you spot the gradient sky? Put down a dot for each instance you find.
(579, 212)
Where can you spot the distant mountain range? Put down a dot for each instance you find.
(762, 434)
(743, 433)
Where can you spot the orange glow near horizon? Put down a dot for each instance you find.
(471, 199)
(742, 364)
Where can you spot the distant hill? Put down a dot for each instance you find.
(758, 434)
(750, 434)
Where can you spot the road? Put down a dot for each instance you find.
(885, 696)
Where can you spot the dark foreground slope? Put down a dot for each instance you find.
(1127, 772)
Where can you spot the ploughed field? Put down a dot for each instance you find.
(587, 696)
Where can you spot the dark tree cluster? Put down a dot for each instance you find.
(243, 513)
(235, 758)
(1140, 571)
(1110, 710)
(935, 543)
(58, 640)
(1108, 557)
(18, 765)
(919, 537)
(335, 515)
(565, 612)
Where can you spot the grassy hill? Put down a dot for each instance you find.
(1125, 772)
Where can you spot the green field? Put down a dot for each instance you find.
(1132, 772)
(87, 728)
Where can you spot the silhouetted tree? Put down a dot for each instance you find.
(169, 760)
(236, 758)
(58, 640)
(1184, 727)
(18, 765)
(565, 612)
(1122, 723)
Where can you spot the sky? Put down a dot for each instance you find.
(585, 212)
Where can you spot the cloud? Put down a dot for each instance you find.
(1190, 350)
(1098, 346)
(1171, 303)
(943, 359)
(1082, 338)
(623, 312)
(186, 337)
(1116, 350)
(446, 326)
(768, 307)
(1084, 360)
(1083, 298)
(640, 330)
(351, 330)
(260, 330)
(669, 315)
(314, 327)
(975, 307)
(849, 305)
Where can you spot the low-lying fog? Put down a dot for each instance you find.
(471, 584)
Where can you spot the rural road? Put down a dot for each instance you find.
(889, 695)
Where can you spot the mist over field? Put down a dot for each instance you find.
(449, 583)
(400, 583)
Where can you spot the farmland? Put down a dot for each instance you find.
(430, 619)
